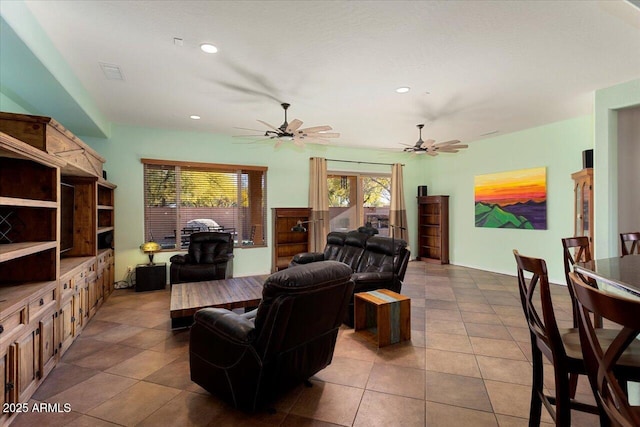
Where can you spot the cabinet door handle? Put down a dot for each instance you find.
(65, 286)
(41, 301)
(1, 329)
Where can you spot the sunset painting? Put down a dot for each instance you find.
(514, 199)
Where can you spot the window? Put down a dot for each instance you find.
(358, 199)
(183, 197)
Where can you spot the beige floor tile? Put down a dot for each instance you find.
(61, 378)
(398, 380)
(497, 348)
(457, 390)
(445, 327)
(87, 421)
(452, 363)
(505, 370)
(346, 371)
(457, 343)
(185, 410)
(175, 374)
(83, 347)
(108, 357)
(507, 421)
(329, 402)
(511, 399)
(476, 307)
(440, 415)
(402, 354)
(134, 404)
(437, 314)
(487, 331)
(380, 409)
(483, 318)
(118, 333)
(354, 347)
(43, 419)
(297, 421)
(142, 364)
(147, 338)
(93, 392)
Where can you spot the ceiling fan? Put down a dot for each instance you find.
(431, 147)
(292, 132)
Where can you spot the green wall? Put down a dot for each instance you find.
(558, 146)
(287, 180)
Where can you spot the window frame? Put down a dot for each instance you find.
(360, 209)
(211, 167)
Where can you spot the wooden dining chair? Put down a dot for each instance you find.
(560, 346)
(611, 362)
(632, 239)
(581, 253)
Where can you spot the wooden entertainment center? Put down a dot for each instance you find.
(56, 255)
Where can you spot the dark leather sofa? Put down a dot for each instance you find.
(246, 359)
(376, 262)
(209, 257)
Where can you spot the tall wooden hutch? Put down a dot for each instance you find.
(433, 229)
(287, 243)
(52, 280)
(583, 203)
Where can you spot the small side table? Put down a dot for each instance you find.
(383, 316)
(151, 277)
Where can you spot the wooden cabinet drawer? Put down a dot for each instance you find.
(79, 280)
(11, 324)
(41, 303)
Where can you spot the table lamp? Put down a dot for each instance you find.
(150, 248)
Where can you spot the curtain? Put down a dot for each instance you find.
(319, 203)
(398, 210)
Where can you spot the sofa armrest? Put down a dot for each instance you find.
(307, 258)
(372, 280)
(180, 259)
(221, 259)
(233, 327)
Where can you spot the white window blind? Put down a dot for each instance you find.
(185, 197)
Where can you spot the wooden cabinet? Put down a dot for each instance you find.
(583, 203)
(287, 243)
(433, 229)
(44, 290)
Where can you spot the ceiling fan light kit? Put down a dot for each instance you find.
(431, 147)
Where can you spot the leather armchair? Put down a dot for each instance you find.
(209, 257)
(246, 359)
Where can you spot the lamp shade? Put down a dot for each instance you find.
(150, 248)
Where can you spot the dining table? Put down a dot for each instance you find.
(622, 272)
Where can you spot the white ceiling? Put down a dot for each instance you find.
(473, 66)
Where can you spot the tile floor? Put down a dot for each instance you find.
(466, 364)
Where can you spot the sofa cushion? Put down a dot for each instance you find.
(354, 244)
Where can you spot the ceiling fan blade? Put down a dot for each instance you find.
(254, 130)
(453, 141)
(319, 134)
(432, 153)
(298, 142)
(316, 129)
(447, 150)
(278, 143)
(294, 125)
(269, 126)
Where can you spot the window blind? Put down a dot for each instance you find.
(181, 198)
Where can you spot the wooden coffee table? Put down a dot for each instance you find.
(383, 316)
(238, 292)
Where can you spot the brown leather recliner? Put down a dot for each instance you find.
(376, 262)
(209, 257)
(246, 359)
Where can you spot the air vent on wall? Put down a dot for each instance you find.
(112, 72)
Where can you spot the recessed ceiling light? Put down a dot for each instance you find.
(208, 48)
(403, 89)
(194, 117)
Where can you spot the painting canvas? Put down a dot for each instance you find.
(514, 199)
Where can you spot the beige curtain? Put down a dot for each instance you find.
(319, 203)
(398, 210)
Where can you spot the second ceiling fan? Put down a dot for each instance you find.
(431, 147)
(292, 132)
